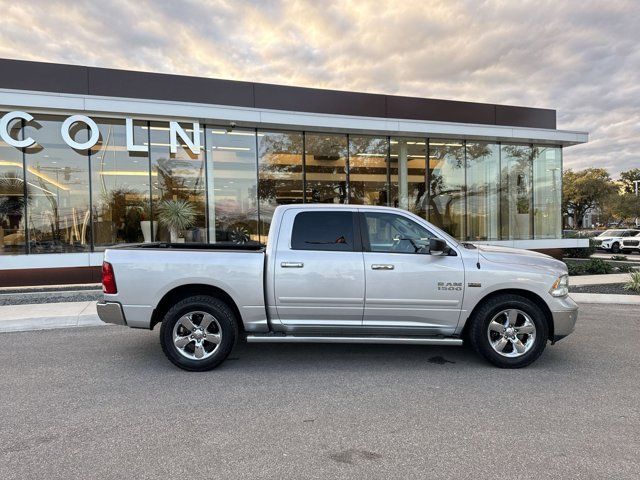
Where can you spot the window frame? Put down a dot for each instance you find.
(357, 235)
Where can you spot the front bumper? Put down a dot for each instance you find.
(111, 312)
(564, 321)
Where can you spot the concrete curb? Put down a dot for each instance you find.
(21, 318)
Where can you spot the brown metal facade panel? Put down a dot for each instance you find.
(152, 86)
(298, 99)
(43, 77)
(50, 276)
(440, 110)
(56, 78)
(525, 117)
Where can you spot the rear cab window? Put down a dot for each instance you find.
(325, 231)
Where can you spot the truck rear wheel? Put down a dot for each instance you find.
(198, 333)
(510, 331)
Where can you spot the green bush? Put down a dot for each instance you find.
(625, 268)
(584, 252)
(634, 283)
(575, 268)
(619, 258)
(597, 266)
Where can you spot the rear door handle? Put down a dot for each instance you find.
(380, 266)
(292, 264)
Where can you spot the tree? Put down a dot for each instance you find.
(627, 178)
(584, 190)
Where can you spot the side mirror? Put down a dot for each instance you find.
(437, 246)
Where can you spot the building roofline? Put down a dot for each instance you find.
(105, 82)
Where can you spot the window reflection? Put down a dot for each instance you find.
(547, 193)
(12, 196)
(233, 189)
(178, 187)
(280, 174)
(58, 178)
(483, 184)
(326, 168)
(368, 170)
(407, 172)
(516, 189)
(120, 186)
(447, 186)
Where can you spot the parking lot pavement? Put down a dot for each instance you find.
(105, 403)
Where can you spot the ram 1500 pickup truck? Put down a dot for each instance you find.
(340, 274)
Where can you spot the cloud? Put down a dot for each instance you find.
(581, 59)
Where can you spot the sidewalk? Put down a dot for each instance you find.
(19, 318)
(579, 280)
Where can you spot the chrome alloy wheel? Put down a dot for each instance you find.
(511, 333)
(197, 335)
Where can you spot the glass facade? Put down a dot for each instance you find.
(223, 185)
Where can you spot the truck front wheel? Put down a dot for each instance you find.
(510, 331)
(198, 333)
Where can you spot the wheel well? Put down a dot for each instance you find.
(183, 291)
(515, 291)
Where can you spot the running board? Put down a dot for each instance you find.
(345, 339)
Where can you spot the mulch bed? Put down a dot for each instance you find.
(606, 288)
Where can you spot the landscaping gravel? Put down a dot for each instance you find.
(49, 296)
(608, 288)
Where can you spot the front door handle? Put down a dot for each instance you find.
(379, 266)
(292, 264)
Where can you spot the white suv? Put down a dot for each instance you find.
(612, 239)
(630, 244)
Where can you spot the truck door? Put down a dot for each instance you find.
(319, 270)
(407, 289)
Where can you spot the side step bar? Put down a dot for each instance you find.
(345, 339)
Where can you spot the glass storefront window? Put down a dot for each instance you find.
(326, 168)
(547, 192)
(12, 195)
(280, 174)
(178, 186)
(447, 186)
(233, 187)
(483, 186)
(407, 174)
(516, 212)
(58, 178)
(368, 170)
(120, 186)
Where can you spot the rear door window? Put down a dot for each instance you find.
(326, 231)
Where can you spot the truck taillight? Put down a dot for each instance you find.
(108, 279)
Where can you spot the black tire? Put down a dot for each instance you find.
(615, 248)
(478, 330)
(228, 329)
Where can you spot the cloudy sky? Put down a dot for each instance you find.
(581, 58)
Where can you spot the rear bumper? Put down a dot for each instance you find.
(564, 321)
(111, 312)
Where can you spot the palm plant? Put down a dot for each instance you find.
(176, 215)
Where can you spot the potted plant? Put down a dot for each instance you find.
(177, 216)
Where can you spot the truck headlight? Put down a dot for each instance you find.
(560, 287)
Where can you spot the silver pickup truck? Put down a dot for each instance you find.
(340, 274)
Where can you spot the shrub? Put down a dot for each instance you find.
(575, 269)
(634, 283)
(619, 258)
(585, 252)
(625, 268)
(597, 266)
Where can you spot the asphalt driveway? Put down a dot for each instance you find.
(103, 402)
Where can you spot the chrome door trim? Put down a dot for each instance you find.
(382, 266)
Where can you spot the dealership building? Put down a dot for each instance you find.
(93, 157)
